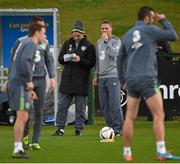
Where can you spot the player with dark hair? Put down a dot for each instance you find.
(140, 76)
(36, 19)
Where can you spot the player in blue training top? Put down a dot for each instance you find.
(140, 76)
(20, 85)
(44, 64)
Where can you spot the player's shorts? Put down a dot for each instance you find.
(143, 91)
(19, 98)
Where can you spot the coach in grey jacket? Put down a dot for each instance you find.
(107, 50)
(140, 78)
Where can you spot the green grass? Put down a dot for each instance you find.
(122, 13)
(87, 148)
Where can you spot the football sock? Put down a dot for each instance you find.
(161, 148)
(127, 151)
(18, 146)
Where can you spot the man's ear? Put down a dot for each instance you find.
(146, 20)
(36, 33)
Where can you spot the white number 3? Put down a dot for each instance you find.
(37, 57)
(136, 36)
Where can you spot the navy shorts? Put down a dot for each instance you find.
(19, 98)
(142, 91)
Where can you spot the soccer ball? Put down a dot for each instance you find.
(106, 133)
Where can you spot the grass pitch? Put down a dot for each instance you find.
(87, 148)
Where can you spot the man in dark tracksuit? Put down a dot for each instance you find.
(139, 47)
(78, 57)
(43, 61)
(20, 85)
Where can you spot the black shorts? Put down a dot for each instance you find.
(19, 98)
(144, 92)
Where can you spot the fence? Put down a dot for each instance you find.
(168, 74)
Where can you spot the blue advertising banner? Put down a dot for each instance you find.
(14, 27)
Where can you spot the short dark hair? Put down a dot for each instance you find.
(144, 11)
(35, 27)
(106, 22)
(35, 19)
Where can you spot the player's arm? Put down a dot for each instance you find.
(26, 61)
(49, 61)
(168, 33)
(12, 53)
(121, 65)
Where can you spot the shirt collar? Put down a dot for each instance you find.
(140, 22)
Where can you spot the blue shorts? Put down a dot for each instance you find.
(144, 92)
(19, 98)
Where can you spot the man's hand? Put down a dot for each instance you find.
(158, 17)
(52, 84)
(30, 86)
(33, 95)
(76, 58)
(104, 36)
(124, 87)
(95, 81)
